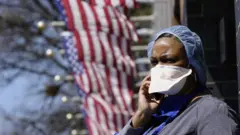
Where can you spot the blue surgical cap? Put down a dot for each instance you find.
(193, 46)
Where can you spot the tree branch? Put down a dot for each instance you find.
(23, 121)
(14, 65)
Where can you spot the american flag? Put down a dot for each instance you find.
(98, 49)
(115, 3)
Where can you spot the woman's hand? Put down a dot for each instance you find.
(147, 104)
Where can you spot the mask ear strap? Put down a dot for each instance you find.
(195, 74)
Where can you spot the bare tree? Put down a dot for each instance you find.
(25, 35)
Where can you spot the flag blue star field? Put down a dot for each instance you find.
(98, 49)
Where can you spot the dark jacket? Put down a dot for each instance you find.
(205, 116)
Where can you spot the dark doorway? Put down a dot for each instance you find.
(214, 21)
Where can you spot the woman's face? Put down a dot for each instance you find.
(170, 51)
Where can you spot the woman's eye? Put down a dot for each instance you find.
(168, 60)
(171, 60)
(154, 62)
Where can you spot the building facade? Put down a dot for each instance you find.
(237, 18)
(217, 23)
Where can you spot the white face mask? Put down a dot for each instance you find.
(168, 80)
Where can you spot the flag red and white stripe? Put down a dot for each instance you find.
(101, 45)
(102, 48)
(82, 16)
(114, 3)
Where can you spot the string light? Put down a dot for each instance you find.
(62, 51)
(79, 116)
(49, 52)
(76, 99)
(83, 132)
(69, 78)
(74, 132)
(64, 99)
(57, 78)
(69, 116)
(41, 25)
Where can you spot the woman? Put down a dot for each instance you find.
(173, 99)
